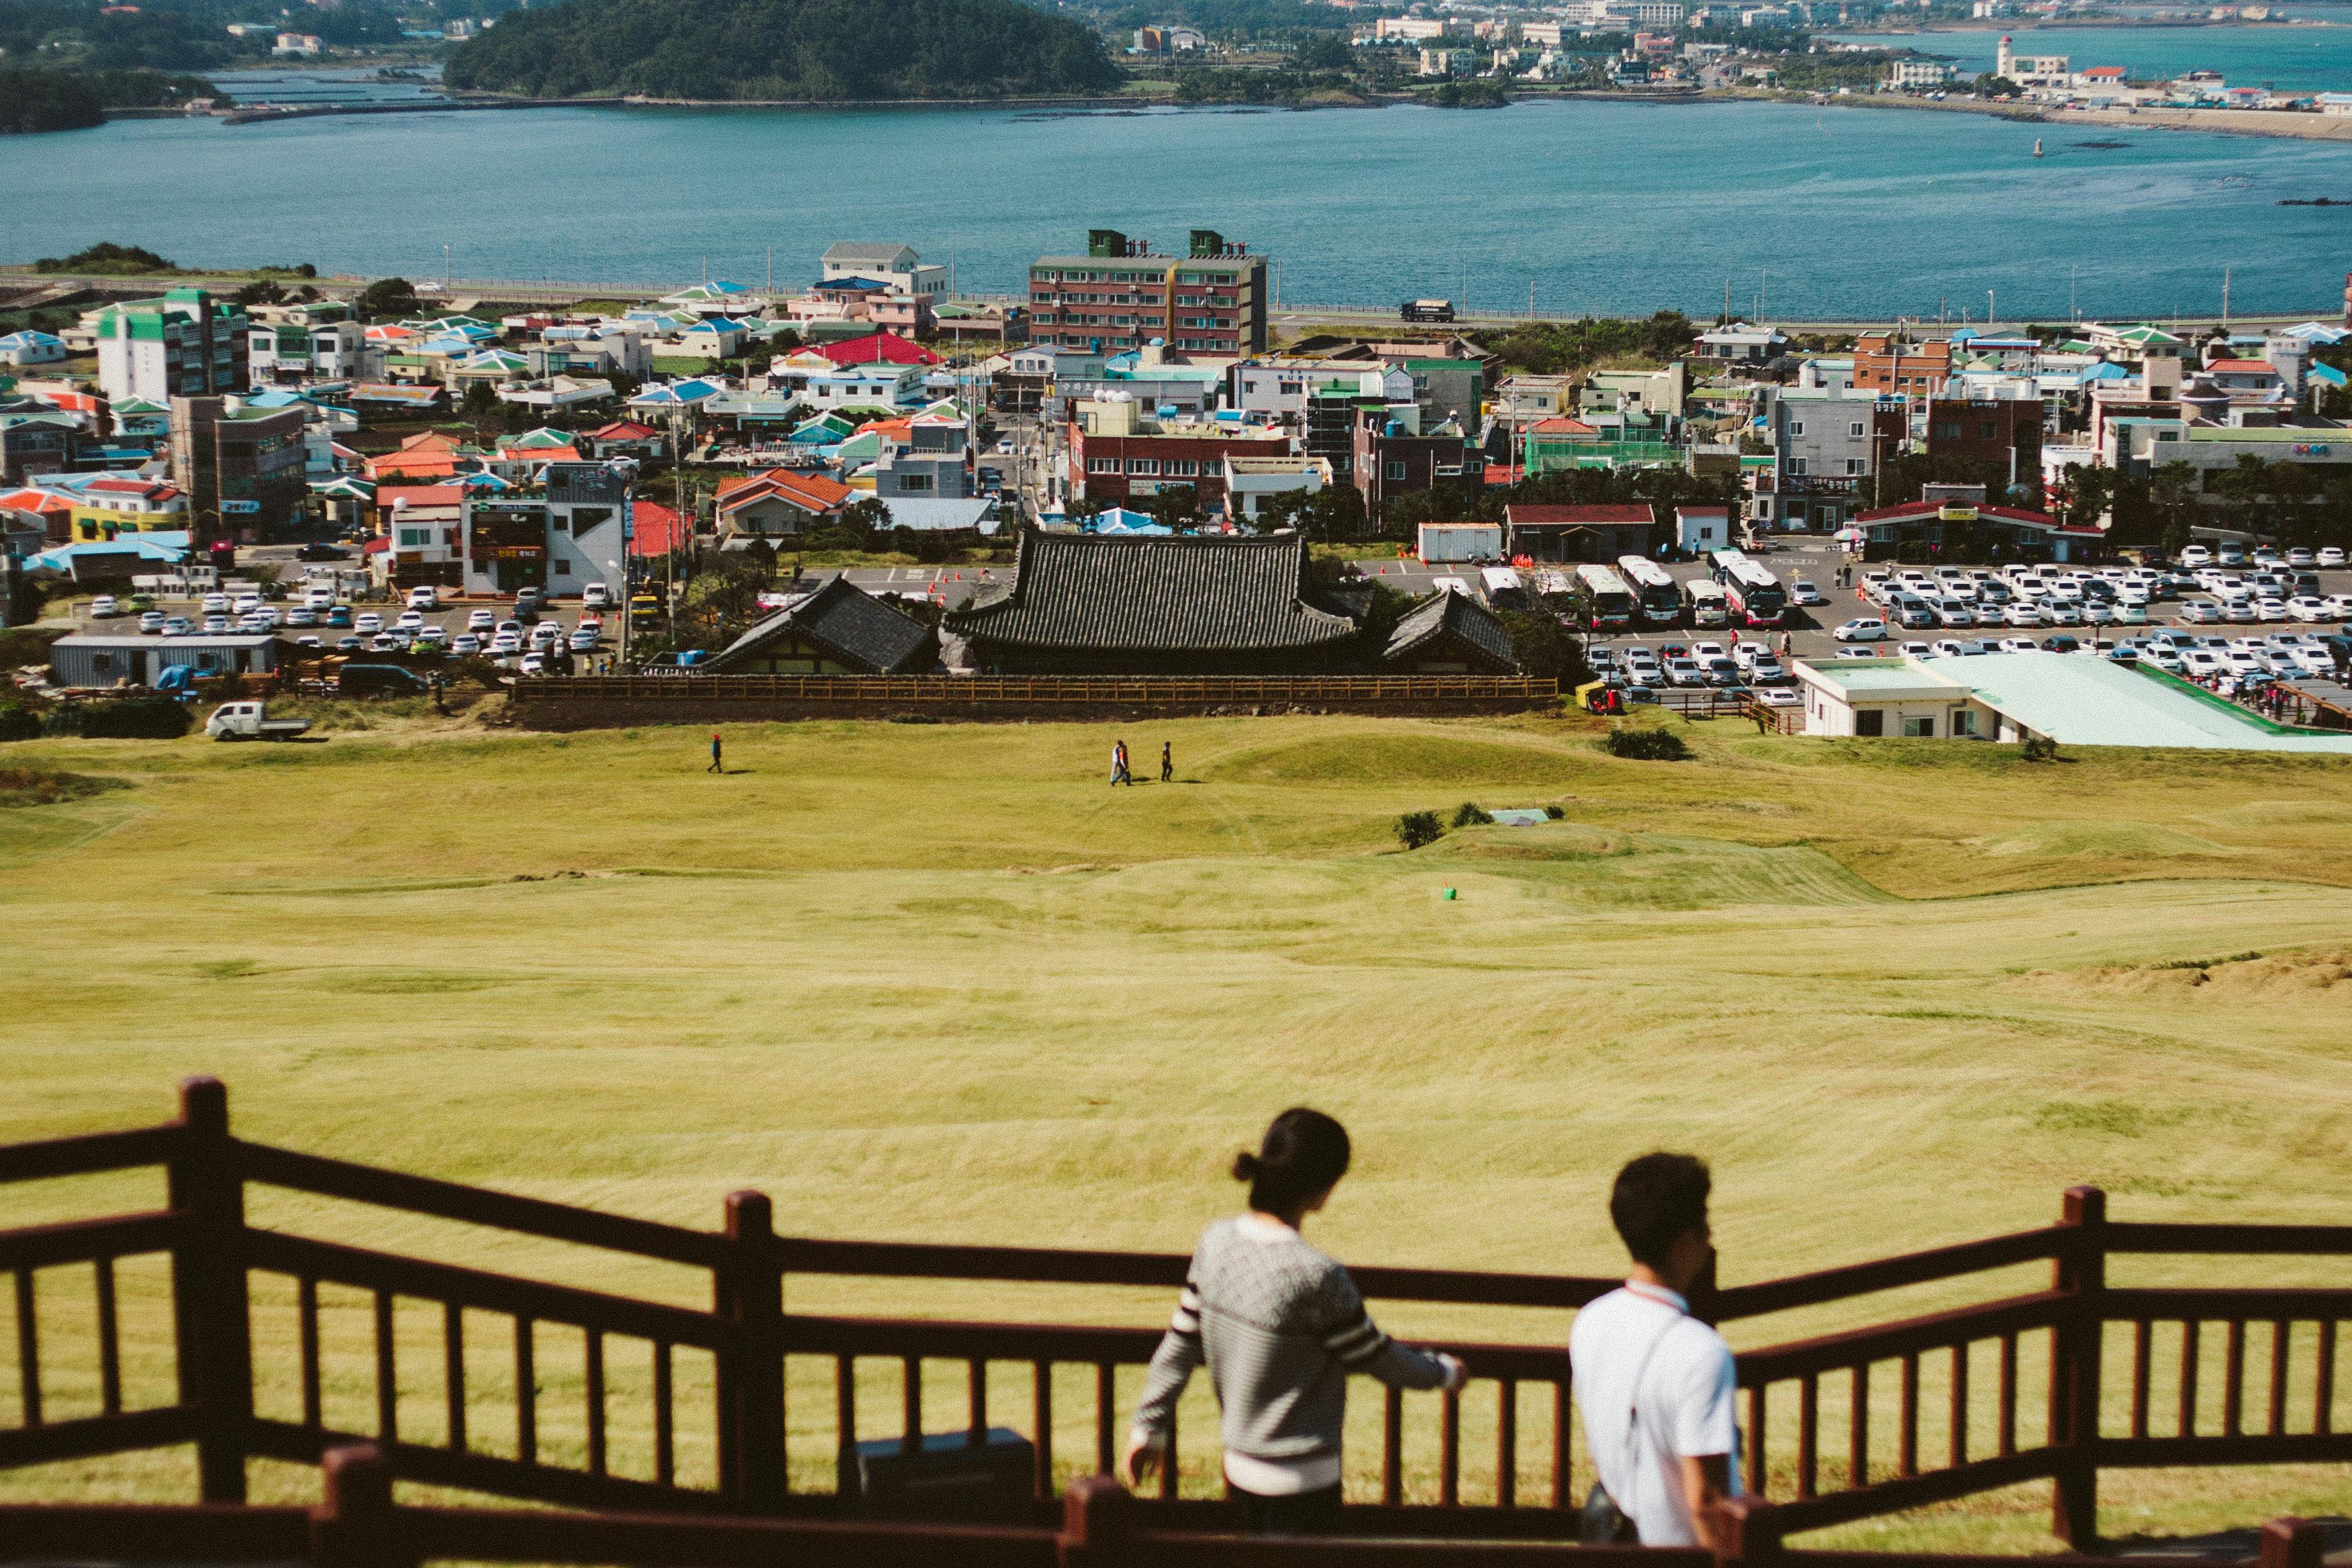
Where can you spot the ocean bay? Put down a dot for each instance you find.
(1602, 207)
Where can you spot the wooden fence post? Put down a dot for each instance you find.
(1096, 1518)
(2080, 1273)
(211, 1315)
(1747, 1532)
(748, 1290)
(2294, 1544)
(355, 1527)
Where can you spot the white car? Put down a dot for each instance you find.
(595, 597)
(534, 664)
(2272, 610)
(2020, 645)
(2096, 613)
(2338, 605)
(2308, 607)
(2313, 661)
(546, 635)
(319, 598)
(1803, 592)
(436, 636)
(214, 605)
(2332, 556)
(2064, 614)
(481, 621)
(1862, 629)
(1777, 697)
(585, 640)
(1684, 672)
(2201, 613)
(368, 624)
(215, 625)
(464, 644)
(1703, 651)
(385, 642)
(2131, 615)
(2200, 662)
(505, 645)
(2196, 555)
(2021, 616)
(423, 597)
(409, 621)
(104, 608)
(150, 622)
(246, 604)
(300, 616)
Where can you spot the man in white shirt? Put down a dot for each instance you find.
(1656, 1385)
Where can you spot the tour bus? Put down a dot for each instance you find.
(1719, 563)
(1607, 603)
(1654, 586)
(1503, 589)
(1753, 595)
(1705, 603)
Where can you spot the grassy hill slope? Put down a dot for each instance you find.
(936, 983)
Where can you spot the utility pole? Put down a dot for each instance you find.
(445, 267)
(771, 269)
(2225, 298)
(1989, 312)
(2073, 275)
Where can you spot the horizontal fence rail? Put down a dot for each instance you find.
(587, 1398)
(1075, 690)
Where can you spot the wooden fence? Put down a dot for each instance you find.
(1071, 690)
(1978, 1355)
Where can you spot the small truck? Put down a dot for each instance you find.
(251, 722)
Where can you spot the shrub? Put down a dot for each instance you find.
(1556, 811)
(18, 722)
(1415, 829)
(2038, 749)
(126, 719)
(1470, 814)
(1647, 745)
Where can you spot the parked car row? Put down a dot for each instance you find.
(1700, 664)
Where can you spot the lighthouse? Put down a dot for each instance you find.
(2003, 59)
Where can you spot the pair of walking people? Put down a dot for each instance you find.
(1122, 773)
(1280, 1326)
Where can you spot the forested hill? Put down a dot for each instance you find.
(827, 49)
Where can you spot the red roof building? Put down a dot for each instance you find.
(878, 348)
(1578, 533)
(656, 528)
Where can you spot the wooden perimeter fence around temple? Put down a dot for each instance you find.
(1980, 1419)
(587, 701)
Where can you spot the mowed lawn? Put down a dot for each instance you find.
(941, 983)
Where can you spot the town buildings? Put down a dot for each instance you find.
(1121, 295)
(184, 344)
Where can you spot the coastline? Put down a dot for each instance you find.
(2276, 125)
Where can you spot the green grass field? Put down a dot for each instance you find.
(940, 982)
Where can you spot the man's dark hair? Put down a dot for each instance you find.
(1656, 1199)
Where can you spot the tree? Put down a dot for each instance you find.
(1544, 649)
(1177, 508)
(481, 402)
(1324, 52)
(2172, 497)
(2085, 494)
(388, 297)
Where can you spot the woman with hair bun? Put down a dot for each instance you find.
(1279, 1326)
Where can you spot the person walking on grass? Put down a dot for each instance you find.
(1656, 1384)
(1119, 769)
(1280, 1326)
(716, 766)
(1167, 764)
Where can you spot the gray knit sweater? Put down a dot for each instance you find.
(1280, 1326)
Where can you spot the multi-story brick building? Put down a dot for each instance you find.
(1117, 457)
(1121, 295)
(185, 344)
(1887, 361)
(2001, 426)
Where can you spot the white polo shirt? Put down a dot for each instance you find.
(1685, 1404)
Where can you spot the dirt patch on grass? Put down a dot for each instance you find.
(2241, 978)
(48, 787)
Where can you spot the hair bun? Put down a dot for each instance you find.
(1246, 1166)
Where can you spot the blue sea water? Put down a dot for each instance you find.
(1600, 207)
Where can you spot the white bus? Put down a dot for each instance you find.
(1607, 603)
(1661, 597)
(1719, 563)
(1706, 603)
(1753, 595)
